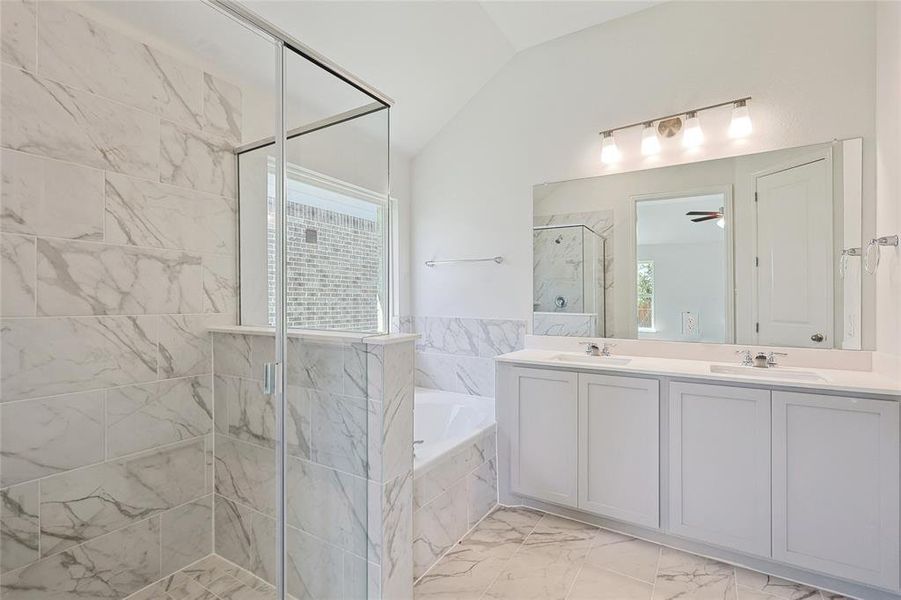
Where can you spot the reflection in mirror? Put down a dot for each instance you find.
(759, 249)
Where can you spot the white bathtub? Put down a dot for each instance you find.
(446, 421)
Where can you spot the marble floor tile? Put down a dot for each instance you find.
(624, 555)
(212, 578)
(593, 583)
(681, 575)
(773, 586)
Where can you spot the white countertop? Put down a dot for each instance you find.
(862, 382)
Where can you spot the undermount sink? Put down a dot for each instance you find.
(586, 359)
(772, 373)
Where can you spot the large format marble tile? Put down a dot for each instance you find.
(145, 213)
(87, 55)
(593, 583)
(500, 336)
(222, 108)
(47, 118)
(189, 159)
(43, 437)
(340, 432)
(233, 355)
(681, 575)
(482, 490)
(84, 504)
(773, 586)
(315, 365)
(475, 376)
(471, 566)
(234, 536)
(328, 504)
(396, 434)
(395, 557)
(42, 357)
(314, 569)
(109, 568)
(246, 473)
(18, 32)
(186, 534)
(17, 275)
(436, 371)
(19, 528)
(220, 284)
(41, 196)
(86, 278)
(186, 345)
(624, 555)
(448, 335)
(149, 415)
(437, 526)
(451, 470)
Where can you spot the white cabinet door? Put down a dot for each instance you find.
(835, 486)
(720, 465)
(619, 448)
(544, 436)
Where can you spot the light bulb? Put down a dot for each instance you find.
(741, 120)
(609, 152)
(650, 143)
(692, 134)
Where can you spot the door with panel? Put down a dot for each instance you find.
(836, 486)
(619, 448)
(719, 438)
(544, 435)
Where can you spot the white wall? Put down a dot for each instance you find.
(809, 67)
(888, 177)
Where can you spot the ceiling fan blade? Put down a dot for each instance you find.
(702, 219)
(701, 212)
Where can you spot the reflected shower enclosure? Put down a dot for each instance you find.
(568, 280)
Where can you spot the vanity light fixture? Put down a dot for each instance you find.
(650, 143)
(741, 120)
(671, 125)
(692, 134)
(609, 152)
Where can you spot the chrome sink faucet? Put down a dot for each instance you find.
(592, 349)
(760, 360)
(746, 359)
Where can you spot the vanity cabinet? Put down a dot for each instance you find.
(619, 448)
(719, 465)
(544, 434)
(836, 486)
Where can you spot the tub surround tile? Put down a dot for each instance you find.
(19, 33)
(500, 336)
(475, 376)
(17, 275)
(448, 335)
(447, 472)
(437, 372)
(76, 354)
(86, 278)
(437, 526)
(87, 55)
(47, 118)
(149, 214)
(48, 197)
(482, 491)
(19, 529)
(154, 414)
(110, 567)
(84, 504)
(43, 437)
(186, 534)
(193, 160)
(222, 109)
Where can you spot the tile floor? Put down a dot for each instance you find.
(212, 578)
(518, 554)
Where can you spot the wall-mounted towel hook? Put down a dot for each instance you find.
(877, 243)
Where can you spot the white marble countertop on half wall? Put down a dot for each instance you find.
(321, 335)
(836, 380)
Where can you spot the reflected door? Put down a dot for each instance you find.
(794, 241)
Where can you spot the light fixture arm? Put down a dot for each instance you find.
(644, 122)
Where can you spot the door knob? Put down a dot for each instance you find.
(817, 337)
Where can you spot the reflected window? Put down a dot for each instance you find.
(646, 295)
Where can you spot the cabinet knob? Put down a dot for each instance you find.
(817, 337)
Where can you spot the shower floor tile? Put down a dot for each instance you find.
(212, 578)
(518, 553)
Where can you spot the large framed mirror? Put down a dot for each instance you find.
(760, 249)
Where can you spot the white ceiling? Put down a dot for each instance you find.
(432, 57)
(665, 221)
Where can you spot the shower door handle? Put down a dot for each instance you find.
(270, 378)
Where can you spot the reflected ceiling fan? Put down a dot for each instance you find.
(707, 215)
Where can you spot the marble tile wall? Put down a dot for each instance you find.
(349, 471)
(450, 497)
(118, 232)
(565, 324)
(457, 354)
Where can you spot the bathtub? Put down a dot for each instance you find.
(454, 470)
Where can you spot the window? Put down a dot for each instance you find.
(645, 295)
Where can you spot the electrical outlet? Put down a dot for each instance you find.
(689, 323)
